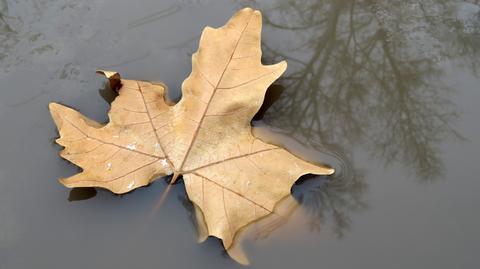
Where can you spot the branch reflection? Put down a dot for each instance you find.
(368, 74)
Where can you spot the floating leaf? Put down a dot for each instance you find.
(231, 176)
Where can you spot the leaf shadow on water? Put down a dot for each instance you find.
(80, 194)
(107, 94)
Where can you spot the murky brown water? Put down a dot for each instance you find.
(386, 91)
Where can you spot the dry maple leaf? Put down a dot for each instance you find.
(233, 177)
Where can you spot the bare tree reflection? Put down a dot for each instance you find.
(369, 73)
(333, 200)
(4, 25)
(27, 33)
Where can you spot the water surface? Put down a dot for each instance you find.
(386, 92)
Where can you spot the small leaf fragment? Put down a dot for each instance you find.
(113, 79)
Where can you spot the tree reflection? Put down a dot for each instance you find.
(26, 31)
(333, 200)
(369, 73)
(4, 25)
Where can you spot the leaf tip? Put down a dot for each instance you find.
(283, 66)
(52, 106)
(246, 9)
(243, 14)
(250, 10)
(324, 170)
(55, 112)
(64, 182)
(330, 171)
(237, 253)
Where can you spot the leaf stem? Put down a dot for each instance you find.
(174, 178)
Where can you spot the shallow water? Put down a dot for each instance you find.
(385, 92)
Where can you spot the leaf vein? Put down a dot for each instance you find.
(195, 134)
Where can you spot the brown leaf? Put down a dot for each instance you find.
(233, 177)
